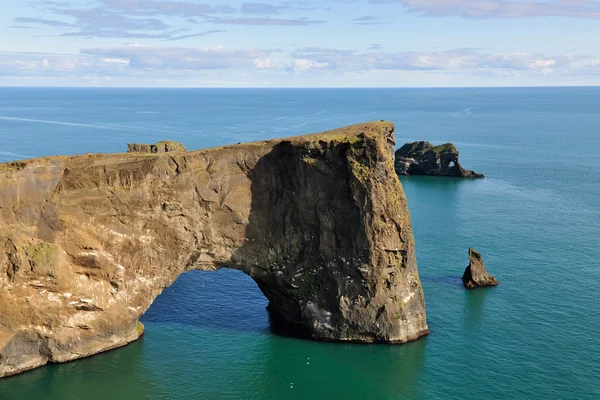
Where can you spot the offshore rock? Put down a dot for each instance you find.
(320, 222)
(422, 158)
(475, 275)
(166, 146)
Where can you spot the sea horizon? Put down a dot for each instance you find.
(302, 87)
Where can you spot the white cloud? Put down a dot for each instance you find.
(302, 65)
(457, 60)
(138, 63)
(589, 9)
(183, 57)
(114, 61)
(40, 65)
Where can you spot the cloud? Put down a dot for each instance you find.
(120, 19)
(302, 65)
(145, 63)
(173, 38)
(41, 21)
(374, 46)
(366, 18)
(182, 58)
(98, 19)
(449, 60)
(150, 19)
(476, 9)
(262, 8)
(164, 8)
(264, 21)
(266, 8)
(52, 65)
(101, 22)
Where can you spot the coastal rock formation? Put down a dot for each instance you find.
(320, 222)
(422, 158)
(475, 275)
(166, 146)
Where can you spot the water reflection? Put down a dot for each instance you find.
(475, 304)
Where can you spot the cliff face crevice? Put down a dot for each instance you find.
(320, 222)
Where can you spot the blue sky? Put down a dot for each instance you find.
(303, 43)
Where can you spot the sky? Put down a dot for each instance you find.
(299, 43)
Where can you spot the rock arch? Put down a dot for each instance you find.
(320, 222)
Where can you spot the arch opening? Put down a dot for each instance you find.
(223, 300)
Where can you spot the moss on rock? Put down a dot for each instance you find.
(43, 258)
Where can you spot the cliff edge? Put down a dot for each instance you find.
(320, 222)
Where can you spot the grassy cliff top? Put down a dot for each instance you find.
(417, 149)
(349, 133)
(445, 148)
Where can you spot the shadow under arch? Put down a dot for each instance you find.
(223, 300)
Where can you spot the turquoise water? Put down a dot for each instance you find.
(535, 218)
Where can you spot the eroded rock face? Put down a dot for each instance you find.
(422, 158)
(320, 222)
(475, 275)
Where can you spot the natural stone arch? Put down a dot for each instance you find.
(320, 222)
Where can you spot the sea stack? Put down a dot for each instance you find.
(422, 158)
(475, 275)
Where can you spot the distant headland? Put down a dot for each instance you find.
(423, 158)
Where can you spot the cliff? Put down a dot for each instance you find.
(320, 222)
(422, 158)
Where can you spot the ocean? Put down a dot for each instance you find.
(535, 218)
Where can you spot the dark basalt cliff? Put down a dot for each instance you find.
(475, 274)
(422, 158)
(320, 222)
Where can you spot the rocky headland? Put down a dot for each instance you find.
(422, 158)
(320, 222)
(475, 274)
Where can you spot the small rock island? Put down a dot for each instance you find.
(422, 158)
(320, 222)
(475, 275)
